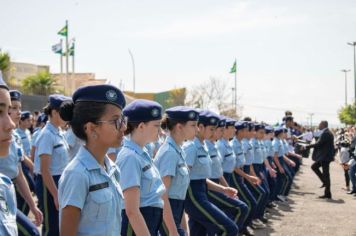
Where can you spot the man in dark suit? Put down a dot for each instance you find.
(323, 155)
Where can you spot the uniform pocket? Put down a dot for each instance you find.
(147, 180)
(100, 204)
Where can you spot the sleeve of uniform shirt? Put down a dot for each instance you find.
(73, 189)
(45, 144)
(167, 163)
(70, 138)
(130, 172)
(191, 154)
(221, 150)
(275, 146)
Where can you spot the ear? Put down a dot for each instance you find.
(141, 126)
(90, 128)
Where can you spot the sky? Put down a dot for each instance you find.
(289, 53)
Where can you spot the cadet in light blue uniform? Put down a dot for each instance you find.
(7, 193)
(239, 177)
(272, 180)
(41, 122)
(140, 179)
(234, 208)
(23, 131)
(181, 122)
(203, 215)
(225, 150)
(51, 157)
(90, 197)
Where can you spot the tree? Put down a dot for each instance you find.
(4, 64)
(41, 84)
(347, 114)
(213, 94)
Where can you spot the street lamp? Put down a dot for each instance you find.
(353, 44)
(345, 71)
(133, 71)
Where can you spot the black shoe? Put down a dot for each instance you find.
(271, 205)
(325, 197)
(322, 186)
(247, 232)
(351, 192)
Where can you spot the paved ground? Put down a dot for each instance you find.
(307, 215)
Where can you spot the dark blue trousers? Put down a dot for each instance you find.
(46, 204)
(177, 207)
(153, 218)
(246, 196)
(261, 169)
(234, 208)
(227, 177)
(203, 215)
(25, 226)
(272, 183)
(260, 195)
(284, 181)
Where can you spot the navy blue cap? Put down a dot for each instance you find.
(269, 129)
(230, 122)
(278, 130)
(25, 115)
(251, 126)
(259, 126)
(239, 125)
(104, 93)
(42, 118)
(55, 100)
(287, 118)
(285, 130)
(182, 113)
(142, 110)
(15, 95)
(222, 121)
(208, 118)
(2, 82)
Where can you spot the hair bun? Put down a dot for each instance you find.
(66, 110)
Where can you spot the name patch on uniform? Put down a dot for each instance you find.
(146, 168)
(57, 146)
(212, 156)
(229, 154)
(201, 156)
(98, 186)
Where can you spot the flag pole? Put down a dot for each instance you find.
(235, 88)
(72, 78)
(61, 57)
(67, 58)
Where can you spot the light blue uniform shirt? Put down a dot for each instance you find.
(35, 137)
(278, 147)
(25, 139)
(8, 207)
(74, 143)
(227, 154)
(248, 150)
(264, 149)
(170, 161)
(285, 146)
(9, 165)
(239, 153)
(95, 191)
(216, 160)
(138, 170)
(51, 141)
(197, 157)
(269, 147)
(257, 151)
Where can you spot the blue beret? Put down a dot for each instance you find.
(278, 130)
(104, 93)
(230, 121)
(182, 113)
(15, 95)
(259, 126)
(269, 129)
(55, 100)
(222, 121)
(208, 118)
(287, 118)
(241, 125)
(142, 110)
(42, 118)
(285, 130)
(25, 115)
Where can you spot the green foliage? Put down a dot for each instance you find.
(40, 84)
(4, 61)
(347, 114)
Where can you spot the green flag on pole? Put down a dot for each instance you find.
(71, 48)
(57, 48)
(63, 31)
(233, 68)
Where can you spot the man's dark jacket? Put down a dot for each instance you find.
(324, 149)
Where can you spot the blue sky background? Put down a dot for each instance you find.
(289, 53)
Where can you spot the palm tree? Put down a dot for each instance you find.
(41, 84)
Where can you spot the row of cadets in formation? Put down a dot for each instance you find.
(197, 168)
